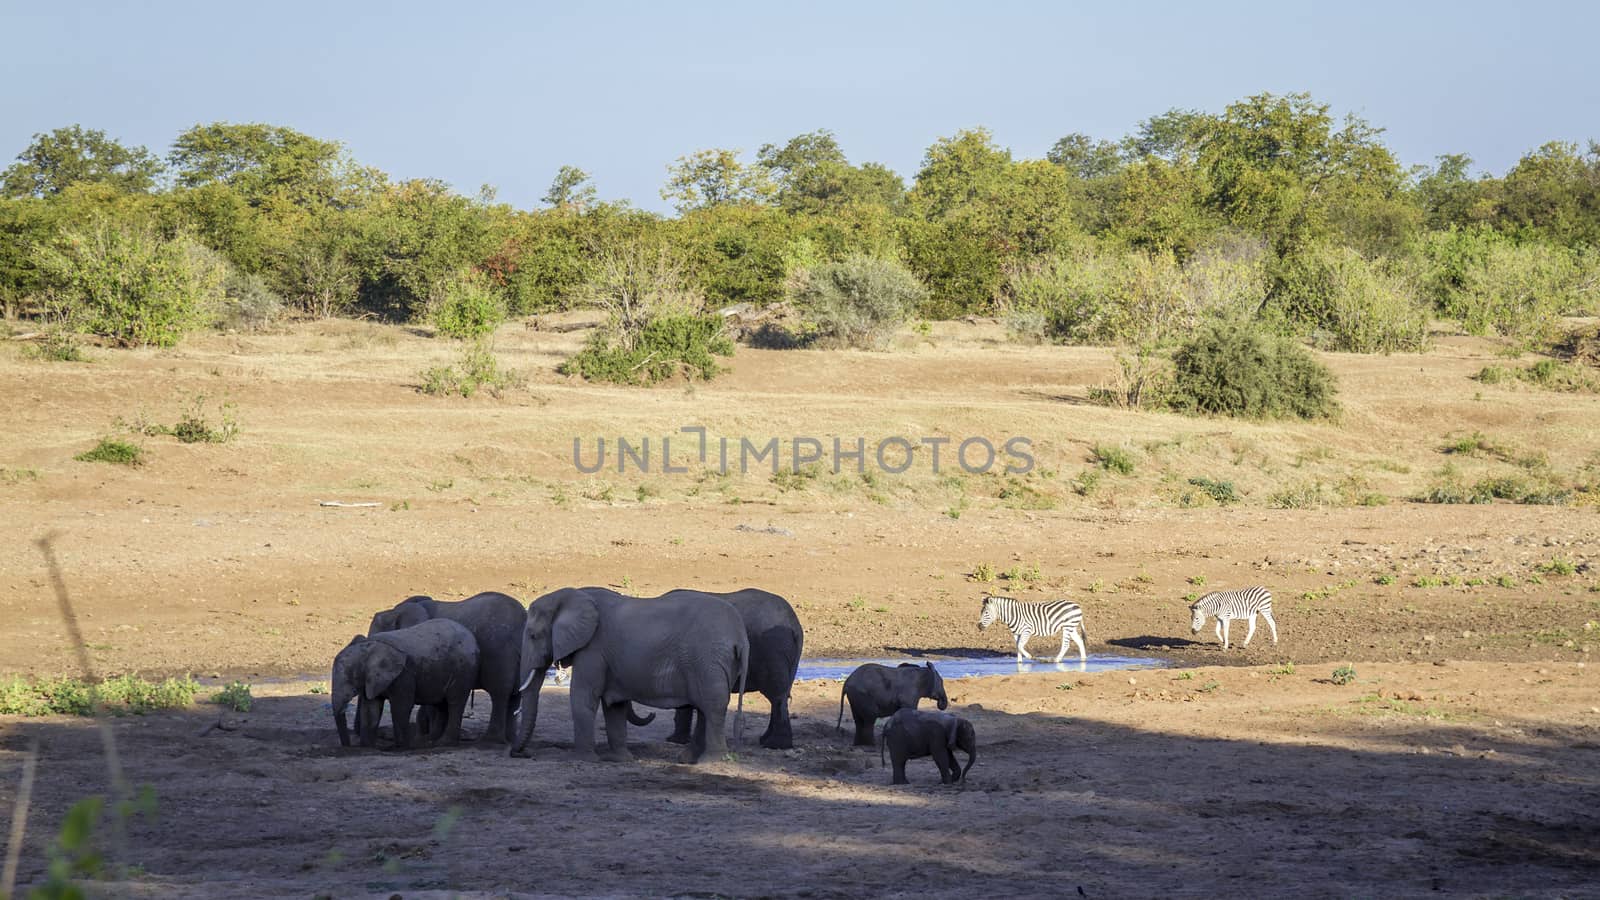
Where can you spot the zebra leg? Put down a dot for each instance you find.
(1271, 624)
(1225, 623)
(1083, 653)
(1022, 647)
(1252, 632)
(1220, 639)
(1066, 640)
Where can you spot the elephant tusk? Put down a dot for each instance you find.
(525, 683)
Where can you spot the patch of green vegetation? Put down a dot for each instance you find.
(1185, 676)
(1305, 495)
(1221, 491)
(1233, 368)
(194, 425)
(1087, 482)
(1549, 374)
(17, 476)
(1506, 581)
(1385, 578)
(1475, 444)
(646, 491)
(319, 689)
(57, 346)
(115, 451)
(1209, 687)
(1197, 580)
(790, 479)
(479, 370)
(1429, 581)
(235, 696)
(1113, 459)
(1344, 674)
(71, 696)
(686, 344)
(1558, 566)
(982, 573)
(1018, 494)
(1285, 669)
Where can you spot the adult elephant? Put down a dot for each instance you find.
(496, 622)
(776, 639)
(667, 652)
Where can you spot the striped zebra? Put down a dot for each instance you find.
(1028, 619)
(1245, 603)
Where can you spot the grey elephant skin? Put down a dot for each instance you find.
(496, 622)
(667, 652)
(915, 733)
(876, 691)
(776, 640)
(432, 664)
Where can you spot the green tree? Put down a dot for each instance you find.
(75, 155)
(814, 177)
(1085, 157)
(571, 189)
(412, 239)
(1553, 194)
(715, 177)
(259, 161)
(1450, 196)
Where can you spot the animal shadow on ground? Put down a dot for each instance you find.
(248, 809)
(1156, 642)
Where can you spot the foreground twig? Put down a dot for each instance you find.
(19, 822)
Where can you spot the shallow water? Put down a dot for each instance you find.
(979, 666)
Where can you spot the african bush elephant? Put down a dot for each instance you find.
(666, 652)
(776, 639)
(915, 733)
(876, 691)
(496, 621)
(429, 664)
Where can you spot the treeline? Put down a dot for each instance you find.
(1272, 210)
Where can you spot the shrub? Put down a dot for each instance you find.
(57, 346)
(656, 326)
(131, 285)
(236, 696)
(1113, 459)
(1344, 674)
(858, 302)
(479, 370)
(247, 303)
(686, 344)
(1550, 374)
(1231, 368)
(1221, 491)
(1496, 286)
(1348, 303)
(1305, 495)
(471, 308)
(194, 427)
(71, 696)
(111, 450)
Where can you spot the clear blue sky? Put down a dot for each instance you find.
(506, 93)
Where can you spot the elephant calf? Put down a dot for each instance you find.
(434, 664)
(876, 691)
(913, 734)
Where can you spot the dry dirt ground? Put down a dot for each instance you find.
(1462, 759)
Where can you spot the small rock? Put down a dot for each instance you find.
(1133, 681)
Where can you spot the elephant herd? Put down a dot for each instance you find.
(686, 650)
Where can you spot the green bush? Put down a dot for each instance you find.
(479, 369)
(112, 450)
(858, 302)
(1550, 374)
(1221, 491)
(130, 284)
(235, 696)
(71, 696)
(1496, 286)
(664, 347)
(471, 308)
(57, 346)
(1231, 368)
(1344, 674)
(1347, 303)
(248, 304)
(1113, 459)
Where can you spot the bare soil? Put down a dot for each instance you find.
(1462, 759)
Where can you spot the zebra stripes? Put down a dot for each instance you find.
(1028, 619)
(1245, 603)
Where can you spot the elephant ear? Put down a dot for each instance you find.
(384, 665)
(574, 625)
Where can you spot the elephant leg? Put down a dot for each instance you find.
(368, 714)
(714, 718)
(617, 733)
(947, 765)
(696, 747)
(897, 758)
(584, 703)
(864, 730)
(400, 713)
(779, 735)
(499, 730)
(682, 722)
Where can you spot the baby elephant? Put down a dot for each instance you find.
(913, 734)
(876, 691)
(434, 664)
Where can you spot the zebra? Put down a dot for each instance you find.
(1028, 619)
(1245, 603)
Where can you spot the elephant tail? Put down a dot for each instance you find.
(883, 738)
(635, 719)
(839, 725)
(744, 675)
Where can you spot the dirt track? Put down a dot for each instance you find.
(215, 559)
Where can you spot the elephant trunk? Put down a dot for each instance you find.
(529, 707)
(341, 700)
